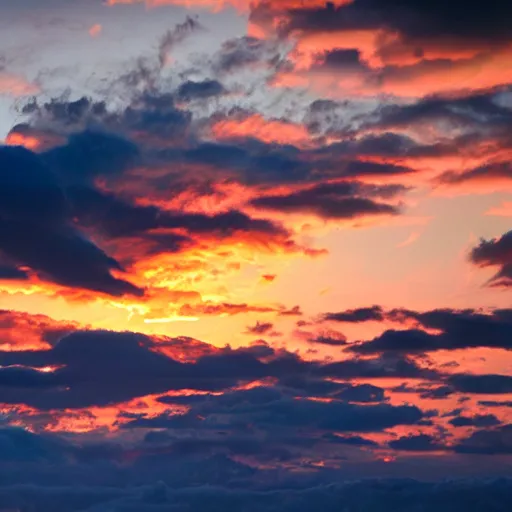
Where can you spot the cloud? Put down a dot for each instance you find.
(35, 230)
(207, 89)
(482, 384)
(429, 391)
(14, 85)
(81, 364)
(260, 328)
(488, 442)
(459, 329)
(373, 313)
(374, 368)
(240, 125)
(285, 412)
(8, 272)
(85, 361)
(329, 338)
(174, 37)
(333, 201)
(372, 48)
(19, 445)
(494, 403)
(349, 440)
(22, 331)
(95, 30)
(416, 443)
(495, 253)
(478, 420)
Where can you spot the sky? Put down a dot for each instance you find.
(255, 255)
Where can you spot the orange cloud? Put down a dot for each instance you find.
(95, 30)
(20, 139)
(416, 80)
(33, 139)
(214, 5)
(218, 5)
(266, 130)
(23, 331)
(15, 85)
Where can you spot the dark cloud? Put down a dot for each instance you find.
(19, 445)
(478, 420)
(90, 154)
(116, 218)
(86, 378)
(488, 172)
(342, 58)
(398, 341)
(494, 403)
(349, 440)
(329, 338)
(482, 384)
(86, 128)
(207, 89)
(260, 328)
(364, 393)
(175, 36)
(292, 413)
(425, 391)
(496, 253)
(420, 20)
(335, 201)
(416, 443)
(84, 362)
(8, 272)
(488, 442)
(460, 329)
(35, 230)
(381, 367)
(29, 190)
(467, 113)
(374, 313)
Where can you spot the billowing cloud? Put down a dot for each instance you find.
(36, 231)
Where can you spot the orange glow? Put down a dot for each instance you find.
(19, 139)
(414, 81)
(218, 5)
(48, 369)
(21, 331)
(14, 85)
(95, 30)
(266, 130)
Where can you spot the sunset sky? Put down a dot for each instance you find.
(254, 245)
